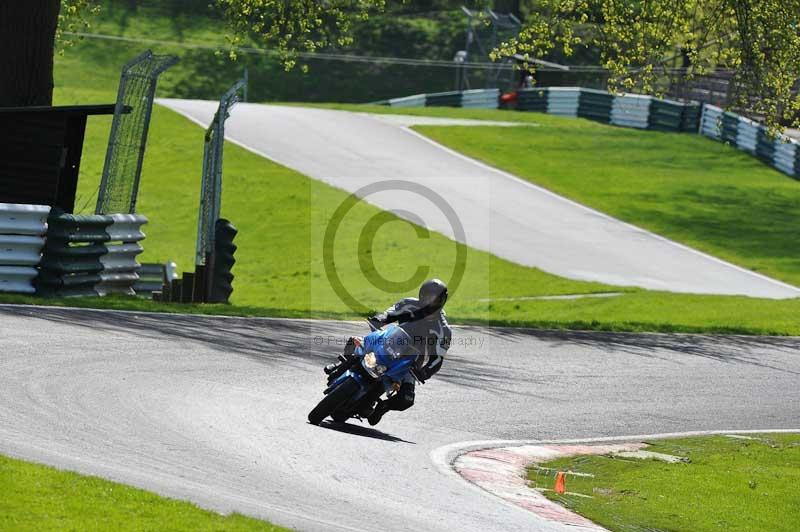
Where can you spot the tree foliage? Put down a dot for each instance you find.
(289, 26)
(75, 16)
(647, 44)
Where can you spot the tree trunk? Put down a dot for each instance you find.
(27, 35)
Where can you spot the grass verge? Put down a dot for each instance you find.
(728, 484)
(282, 216)
(37, 497)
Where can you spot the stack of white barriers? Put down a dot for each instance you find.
(22, 237)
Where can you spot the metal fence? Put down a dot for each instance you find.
(126, 144)
(211, 186)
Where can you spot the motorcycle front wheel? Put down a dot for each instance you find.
(332, 401)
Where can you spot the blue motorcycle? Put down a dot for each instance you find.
(377, 366)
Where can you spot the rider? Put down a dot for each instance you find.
(424, 320)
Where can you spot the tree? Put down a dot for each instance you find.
(646, 44)
(28, 34)
(296, 25)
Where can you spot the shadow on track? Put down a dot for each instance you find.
(304, 342)
(364, 432)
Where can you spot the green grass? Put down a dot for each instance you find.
(36, 497)
(282, 215)
(729, 484)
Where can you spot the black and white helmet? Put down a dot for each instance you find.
(433, 295)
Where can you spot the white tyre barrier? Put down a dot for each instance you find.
(631, 110)
(416, 100)
(121, 257)
(20, 250)
(22, 230)
(17, 279)
(19, 219)
(481, 98)
(563, 101)
(126, 227)
(747, 135)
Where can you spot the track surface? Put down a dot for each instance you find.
(500, 213)
(213, 409)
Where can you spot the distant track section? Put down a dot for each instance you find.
(501, 213)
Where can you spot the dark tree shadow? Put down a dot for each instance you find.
(304, 343)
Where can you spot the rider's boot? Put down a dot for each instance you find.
(380, 409)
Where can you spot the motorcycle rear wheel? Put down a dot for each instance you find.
(332, 401)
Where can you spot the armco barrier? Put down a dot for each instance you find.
(17, 279)
(532, 100)
(632, 110)
(785, 157)
(779, 152)
(91, 255)
(22, 229)
(626, 110)
(563, 101)
(690, 119)
(595, 105)
(154, 277)
(416, 100)
(711, 122)
(481, 98)
(443, 99)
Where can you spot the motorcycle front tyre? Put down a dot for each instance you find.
(332, 401)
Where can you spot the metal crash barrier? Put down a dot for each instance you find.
(91, 255)
(778, 151)
(22, 230)
(626, 110)
(630, 110)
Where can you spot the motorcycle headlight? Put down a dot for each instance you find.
(370, 363)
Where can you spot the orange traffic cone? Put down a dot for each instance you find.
(561, 482)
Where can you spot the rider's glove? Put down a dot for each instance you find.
(378, 320)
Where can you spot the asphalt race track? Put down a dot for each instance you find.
(500, 213)
(214, 409)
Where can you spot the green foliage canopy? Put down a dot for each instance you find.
(74, 17)
(289, 26)
(646, 44)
